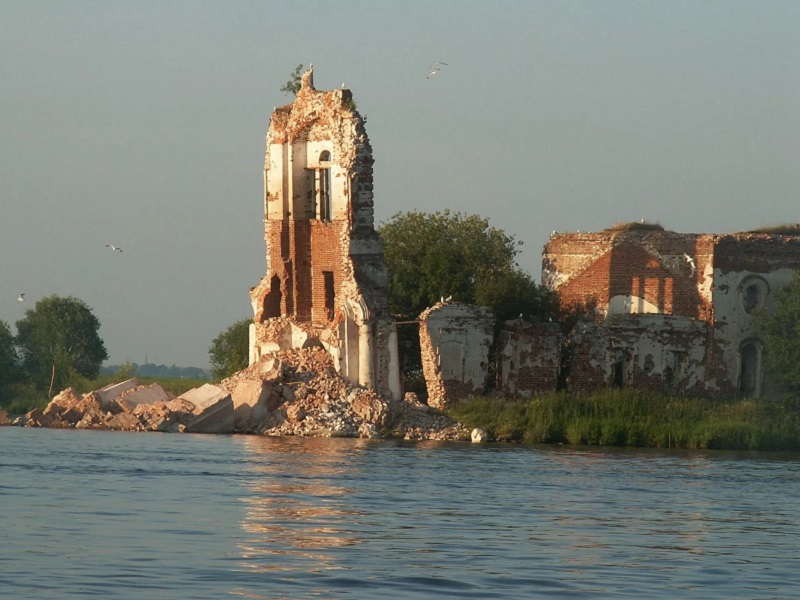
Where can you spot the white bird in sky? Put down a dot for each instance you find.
(21, 297)
(434, 68)
(113, 247)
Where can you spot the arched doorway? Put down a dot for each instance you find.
(750, 368)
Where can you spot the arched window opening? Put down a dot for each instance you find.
(272, 301)
(324, 209)
(620, 377)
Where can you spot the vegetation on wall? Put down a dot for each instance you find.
(293, 85)
(783, 229)
(636, 226)
(780, 332)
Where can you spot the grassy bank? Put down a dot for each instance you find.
(626, 418)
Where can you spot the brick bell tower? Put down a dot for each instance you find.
(326, 282)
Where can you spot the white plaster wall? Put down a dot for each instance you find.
(275, 176)
(461, 336)
(619, 305)
(733, 323)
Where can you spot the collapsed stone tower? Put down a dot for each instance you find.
(326, 282)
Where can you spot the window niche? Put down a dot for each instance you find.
(322, 184)
(753, 292)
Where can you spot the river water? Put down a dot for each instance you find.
(91, 514)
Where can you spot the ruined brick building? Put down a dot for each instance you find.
(668, 311)
(326, 281)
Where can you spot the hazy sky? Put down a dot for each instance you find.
(143, 124)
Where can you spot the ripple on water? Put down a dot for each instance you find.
(115, 515)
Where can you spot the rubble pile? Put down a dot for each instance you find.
(312, 399)
(126, 406)
(290, 392)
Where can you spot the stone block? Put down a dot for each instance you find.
(150, 394)
(111, 392)
(250, 403)
(213, 412)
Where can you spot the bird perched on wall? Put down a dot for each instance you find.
(21, 297)
(435, 68)
(113, 247)
(690, 260)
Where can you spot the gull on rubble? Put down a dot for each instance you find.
(113, 247)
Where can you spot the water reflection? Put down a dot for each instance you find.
(297, 503)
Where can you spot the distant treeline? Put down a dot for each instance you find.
(153, 370)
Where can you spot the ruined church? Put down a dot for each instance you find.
(662, 311)
(668, 311)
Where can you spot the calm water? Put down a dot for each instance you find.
(119, 515)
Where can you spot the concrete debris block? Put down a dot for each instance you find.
(479, 435)
(149, 394)
(113, 391)
(216, 417)
(205, 396)
(250, 403)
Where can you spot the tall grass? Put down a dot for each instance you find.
(627, 418)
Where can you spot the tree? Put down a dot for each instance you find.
(780, 331)
(58, 342)
(9, 370)
(431, 256)
(229, 352)
(293, 85)
(438, 255)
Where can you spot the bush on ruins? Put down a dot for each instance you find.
(447, 254)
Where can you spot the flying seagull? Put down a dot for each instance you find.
(113, 247)
(435, 68)
(690, 260)
(21, 297)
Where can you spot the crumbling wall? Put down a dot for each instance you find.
(631, 271)
(648, 352)
(326, 281)
(455, 340)
(530, 358)
(748, 269)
